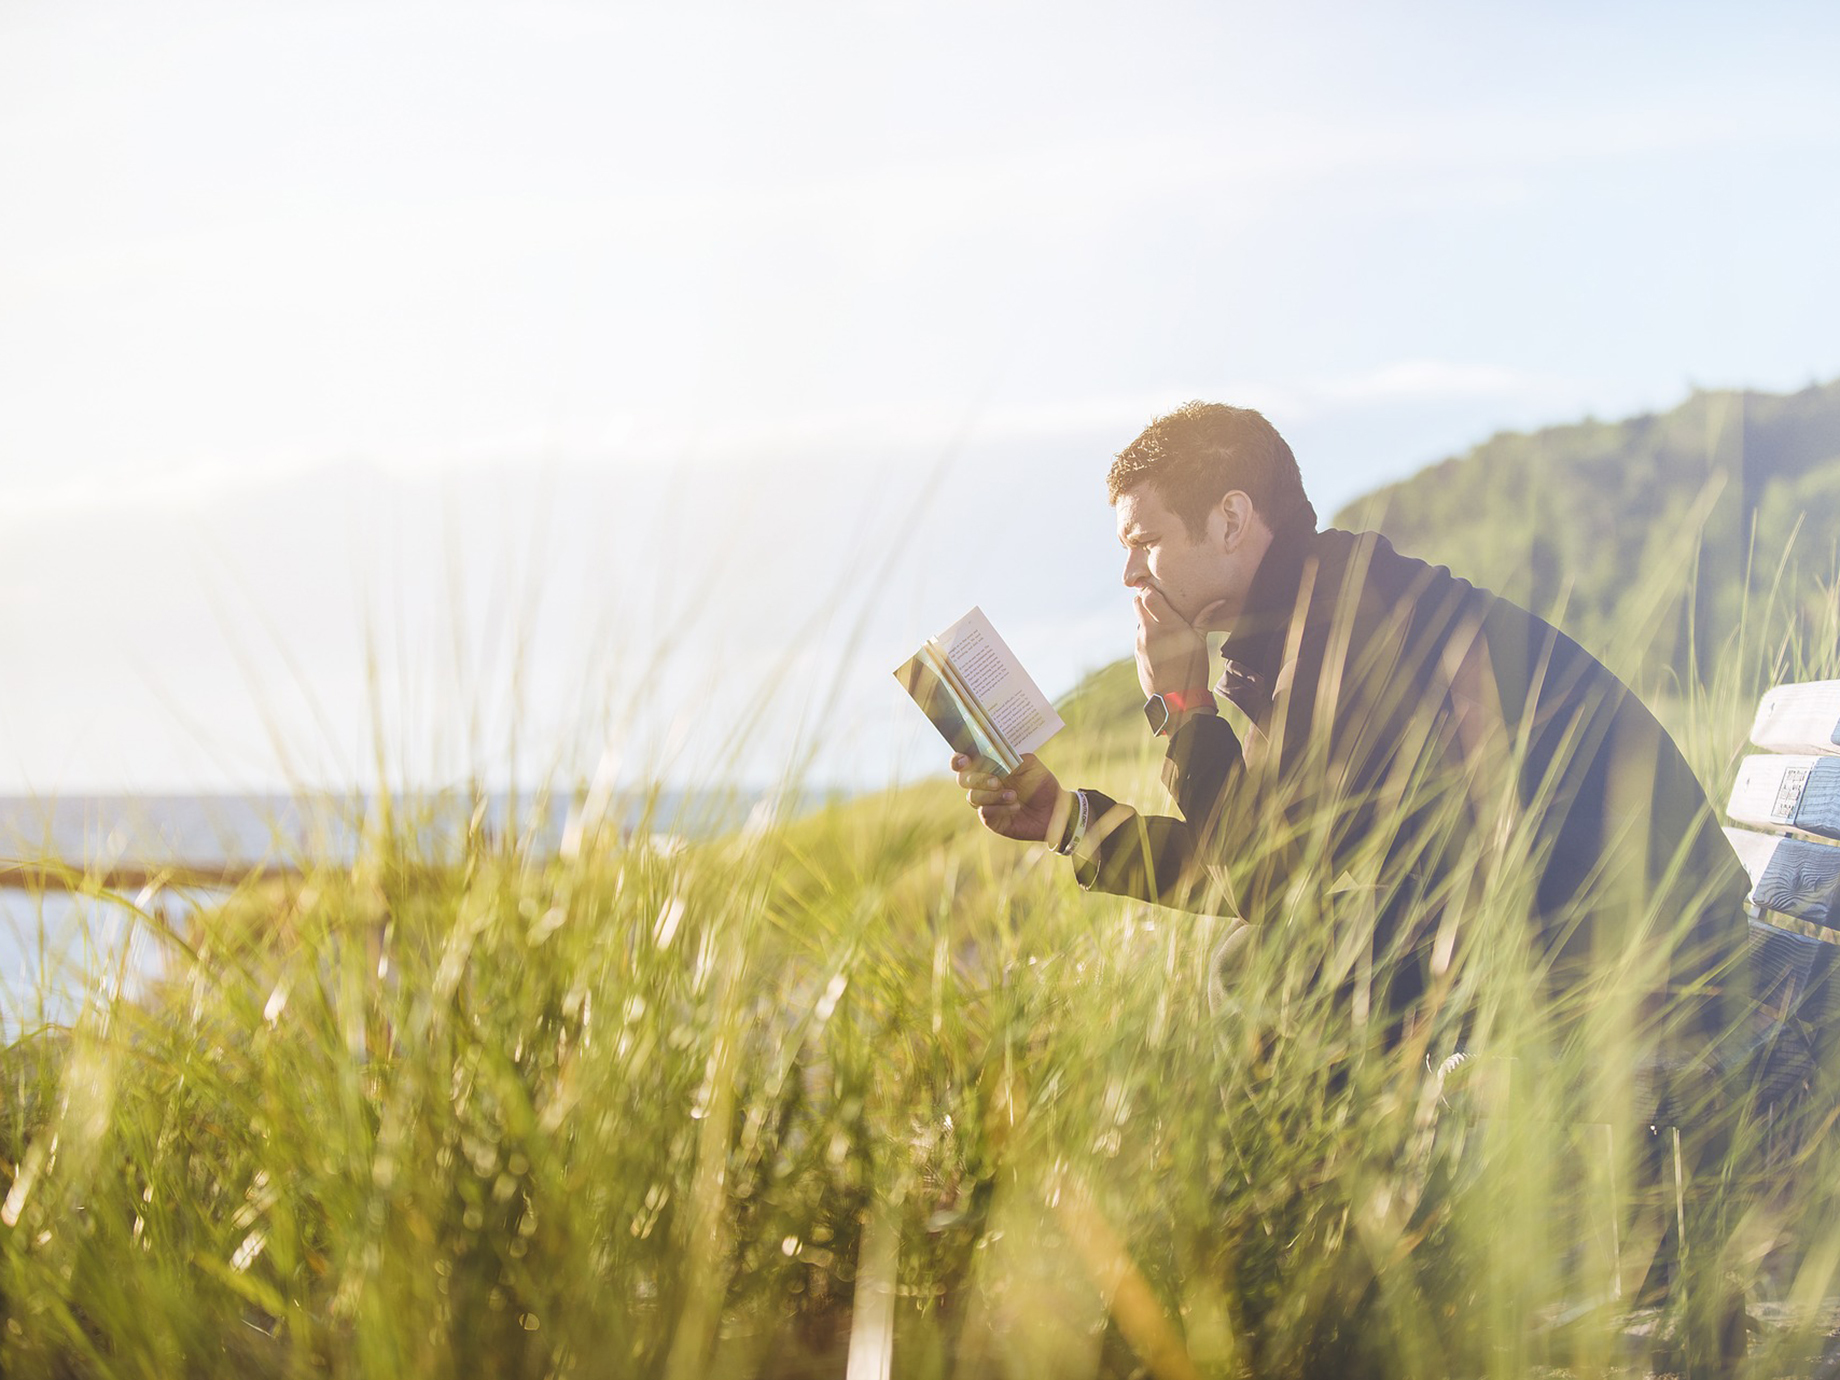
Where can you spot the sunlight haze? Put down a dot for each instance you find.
(556, 384)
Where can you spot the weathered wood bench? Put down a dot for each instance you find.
(1785, 825)
(1784, 813)
(1754, 1099)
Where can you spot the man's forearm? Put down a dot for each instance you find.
(1204, 763)
(1150, 858)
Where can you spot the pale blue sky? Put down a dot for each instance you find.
(319, 315)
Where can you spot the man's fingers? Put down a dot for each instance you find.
(986, 797)
(1157, 607)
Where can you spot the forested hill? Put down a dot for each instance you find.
(1584, 517)
(1642, 526)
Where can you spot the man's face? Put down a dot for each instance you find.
(1190, 572)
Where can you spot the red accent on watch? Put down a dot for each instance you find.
(1184, 700)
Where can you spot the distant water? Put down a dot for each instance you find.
(55, 947)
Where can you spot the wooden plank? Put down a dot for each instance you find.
(1791, 876)
(1797, 793)
(1799, 718)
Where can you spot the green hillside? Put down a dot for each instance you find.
(1636, 537)
(1569, 519)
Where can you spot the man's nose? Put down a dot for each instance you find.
(1136, 569)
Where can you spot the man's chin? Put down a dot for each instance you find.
(1214, 616)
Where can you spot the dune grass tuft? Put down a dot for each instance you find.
(861, 1089)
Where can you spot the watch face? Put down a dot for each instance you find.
(1156, 710)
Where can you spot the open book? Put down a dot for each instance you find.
(969, 683)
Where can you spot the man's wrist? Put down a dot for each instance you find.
(1205, 708)
(1079, 816)
(1170, 709)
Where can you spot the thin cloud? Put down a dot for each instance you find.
(802, 439)
(1433, 380)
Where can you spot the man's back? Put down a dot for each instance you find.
(1397, 714)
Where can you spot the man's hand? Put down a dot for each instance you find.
(1027, 804)
(1172, 655)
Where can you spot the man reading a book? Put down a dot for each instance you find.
(1375, 725)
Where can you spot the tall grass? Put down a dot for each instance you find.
(861, 1090)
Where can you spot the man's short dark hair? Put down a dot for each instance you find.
(1201, 452)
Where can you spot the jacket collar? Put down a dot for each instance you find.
(1254, 649)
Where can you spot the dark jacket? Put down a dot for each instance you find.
(1407, 730)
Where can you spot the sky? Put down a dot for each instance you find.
(515, 389)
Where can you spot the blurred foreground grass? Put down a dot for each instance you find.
(862, 1089)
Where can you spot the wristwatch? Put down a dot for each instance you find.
(1160, 709)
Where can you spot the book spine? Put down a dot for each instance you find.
(973, 709)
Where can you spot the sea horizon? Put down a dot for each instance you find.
(225, 829)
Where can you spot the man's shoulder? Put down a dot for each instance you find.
(1371, 558)
(1389, 578)
(1516, 636)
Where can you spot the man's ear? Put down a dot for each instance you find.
(1237, 513)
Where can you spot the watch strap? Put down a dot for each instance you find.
(1078, 819)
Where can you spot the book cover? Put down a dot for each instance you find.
(976, 693)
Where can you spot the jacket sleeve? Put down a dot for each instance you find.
(1245, 828)
(1172, 861)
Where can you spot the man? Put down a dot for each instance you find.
(1407, 737)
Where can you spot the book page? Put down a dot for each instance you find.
(1010, 698)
